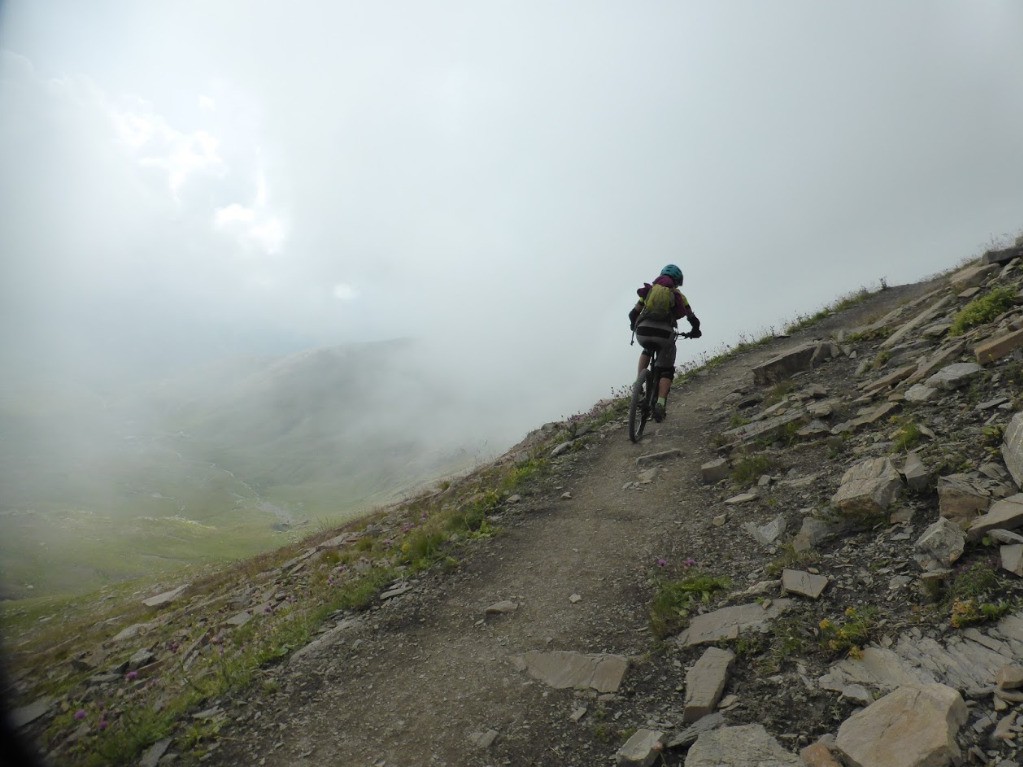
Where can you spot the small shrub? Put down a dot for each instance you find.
(970, 612)
(674, 601)
(982, 309)
(907, 437)
(850, 633)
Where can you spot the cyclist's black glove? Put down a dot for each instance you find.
(695, 333)
(633, 316)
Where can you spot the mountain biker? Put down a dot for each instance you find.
(655, 318)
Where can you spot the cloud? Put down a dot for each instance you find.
(345, 292)
(480, 177)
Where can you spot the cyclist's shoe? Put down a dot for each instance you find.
(658, 412)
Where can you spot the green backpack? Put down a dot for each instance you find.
(659, 304)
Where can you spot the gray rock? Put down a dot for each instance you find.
(133, 631)
(813, 532)
(165, 598)
(1010, 677)
(561, 449)
(858, 694)
(973, 276)
(705, 682)
(915, 726)
(768, 429)
(695, 730)
(1012, 558)
(153, 754)
(918, 478)
(961, 499)
(501, 608)
(955, 376)
(803, 583)
(641, 750)
(941, 544)
(1002, 257)
(767, 534)
(925, 316)
(729, 622)
(918, 393)
(240, 619)
(141, 658)
(869, 487)
(785, 365)
(664, 455)
(28, 714)
(562, 669)
(715, 471)
(741, 498)
(483, 740)
(749, 745)
(1006, 514)
(1012, 448)
(1004, 536)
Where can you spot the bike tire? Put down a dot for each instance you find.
(637, 408)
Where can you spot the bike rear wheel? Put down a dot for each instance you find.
(639, 406)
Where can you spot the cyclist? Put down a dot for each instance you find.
(655, 318)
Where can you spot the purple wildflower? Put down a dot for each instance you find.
(80, 715)
(689, 562)
(662, 562)
(102, 724)
(131, 676)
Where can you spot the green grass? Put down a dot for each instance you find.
(674, 600)
(982, 309)
(748, 468)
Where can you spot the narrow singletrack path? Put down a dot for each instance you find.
(410, 683)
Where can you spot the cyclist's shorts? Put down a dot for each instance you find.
(658, 337)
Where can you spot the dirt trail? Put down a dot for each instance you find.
(409, 683)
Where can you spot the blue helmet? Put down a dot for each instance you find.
(674, 272)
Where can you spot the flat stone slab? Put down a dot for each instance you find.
(741, 498)
(165, 598)
(749, 745)
(705, 683)
(998, 347)
(769, 428)
(914, 726)
(1006, 514)
(803, 583)
(729, 622)
(641, 750)
(661, 457)
(954, 376)
(940, 545)
(28, 714)
(562, 669)
(967, 660)
(785, 365)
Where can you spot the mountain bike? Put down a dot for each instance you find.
(644, 393)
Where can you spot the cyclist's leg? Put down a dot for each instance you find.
(644, 360)
(666, 367)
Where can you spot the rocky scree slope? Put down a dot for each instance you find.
(812, 561)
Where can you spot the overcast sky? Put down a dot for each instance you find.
(205, 177)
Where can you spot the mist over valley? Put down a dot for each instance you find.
(223, 460)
